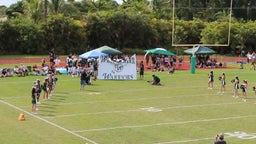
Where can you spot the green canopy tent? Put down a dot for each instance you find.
(108, 50)
(160, 51)
(200, 50)
(195, 51)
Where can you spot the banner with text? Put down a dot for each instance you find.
(117, 69)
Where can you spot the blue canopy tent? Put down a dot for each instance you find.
(108, 50)
(92, 54)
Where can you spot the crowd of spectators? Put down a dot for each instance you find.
(164, 63)
(22, 70)
(204, 61)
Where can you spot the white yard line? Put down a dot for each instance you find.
(48, 122)
(16, 97)
(139, 110)
(160, 124)
(134, 99)
(191, 140)
(185, 141)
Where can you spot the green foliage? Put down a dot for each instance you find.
(119, 29)
(76, 26)
(188, 32)
(131, 51)
(23, 36)
(63, 34)
(215, 33)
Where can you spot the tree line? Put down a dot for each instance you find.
(36, 26)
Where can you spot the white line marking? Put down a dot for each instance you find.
(186, 141)
(141, 109)
(16, 97)
(48, 122)
(135, 99)
(160, 124)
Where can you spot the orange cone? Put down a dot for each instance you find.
(21, 117)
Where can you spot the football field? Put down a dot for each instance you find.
(181, 110)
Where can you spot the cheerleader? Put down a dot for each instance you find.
(244, 90)
(34, 97)
(39, 90)
(210, 80)
(236, 87)
(45, 88)
(222, 83)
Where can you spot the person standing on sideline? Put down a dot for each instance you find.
(141, 70)
(220, 139)
(236, 87)
(222, 83)
(83, 79)
(244, 90)
(210, 80)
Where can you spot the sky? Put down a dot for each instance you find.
(9, 2)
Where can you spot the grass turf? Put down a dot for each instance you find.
(182, 110)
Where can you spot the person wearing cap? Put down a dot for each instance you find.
(244, 90)
(222, 79)
(156, 80)
(220, 139)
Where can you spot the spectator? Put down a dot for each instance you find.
(171, 69)
(95, 69)
(36, 69)
(57, 61)
(83, 79)
(141, 70)
(220, 139)
(17, 70)
(24, 70)
(4, 72)
(52, 56)
(43, 62)
(180, 59)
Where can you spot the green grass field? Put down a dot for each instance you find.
(182, 110)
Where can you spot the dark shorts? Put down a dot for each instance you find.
(83, 82)
(33, 101)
